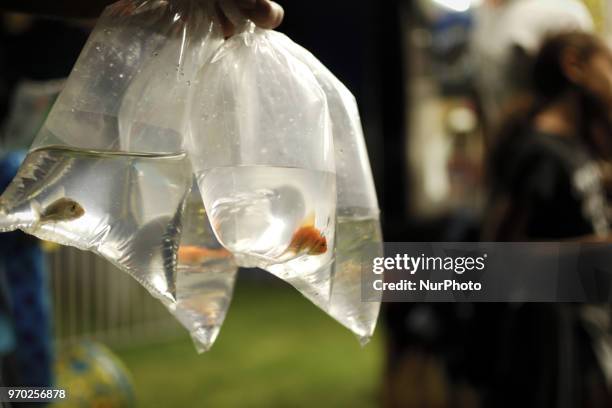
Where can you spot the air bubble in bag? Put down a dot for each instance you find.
(358, 234)
(261, 146)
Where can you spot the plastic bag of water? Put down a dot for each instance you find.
(261, 146)
(358, 234)
(205, 276)
(258, 116)
(107, 171)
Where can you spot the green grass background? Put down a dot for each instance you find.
(275, 349)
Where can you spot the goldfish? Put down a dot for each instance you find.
(63, 209)
(191, 254)
(308, 239)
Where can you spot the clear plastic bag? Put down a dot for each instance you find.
(107, 171)
(80, 186)
(205, 276)
(262, 151)
(258, 117)
(358, 234)
(153, 111)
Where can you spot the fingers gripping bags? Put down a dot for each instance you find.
(107, 171)
(262, 151)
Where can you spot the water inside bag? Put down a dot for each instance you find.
(358, 237)
(126, 207)
(358, 241)
(277, 218)
(205, 276)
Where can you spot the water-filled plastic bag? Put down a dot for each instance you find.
(205, 276)
(262, 151)
(358, 233)
(108, 172)
(179, 155)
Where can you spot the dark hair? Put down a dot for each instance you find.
(548, 78)
(547, 82)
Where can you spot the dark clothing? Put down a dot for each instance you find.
(553, 185)
(531, 355)
(546, 353)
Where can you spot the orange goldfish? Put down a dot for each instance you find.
(308, 239)
(191, 254)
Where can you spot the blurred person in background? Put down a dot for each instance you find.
(553, 148)
(510, 355)
(548, 182)
(507, 34)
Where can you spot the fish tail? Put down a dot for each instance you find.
(309, 221)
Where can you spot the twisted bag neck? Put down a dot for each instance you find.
(234, 15)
